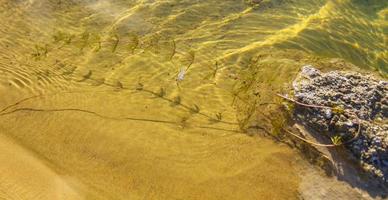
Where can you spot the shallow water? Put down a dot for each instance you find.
(91, 107)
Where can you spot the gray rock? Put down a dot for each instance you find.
(310, 71)
(363, 98)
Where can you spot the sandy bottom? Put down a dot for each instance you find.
(24, 176)
(66, 156)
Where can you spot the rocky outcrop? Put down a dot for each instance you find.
(357, 116)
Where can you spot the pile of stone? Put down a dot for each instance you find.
(356, 101)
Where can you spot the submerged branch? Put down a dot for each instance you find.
(321, 107)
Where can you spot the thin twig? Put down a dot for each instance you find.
(303, 104)
(310, 142)
(322, 107)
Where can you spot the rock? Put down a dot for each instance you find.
(310, 72)
(328, 113)
(363, 98)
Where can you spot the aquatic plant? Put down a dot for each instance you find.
(195, 109)
(337, 140)
(219, 116)
(191, 59)
(97, 39)
(290, 107)
(161, 93)
(119, 85)
(338, 109)
(248, 112)
(216, 67)
(59, 36)
(40, 51)
(277, 124)
(177, 100)
(133, 42)
(139, 86)
(86, 76)
(173, 51)
(183, 121)
(116, 40)
(214, 71)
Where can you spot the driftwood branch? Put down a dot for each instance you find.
(321, 107)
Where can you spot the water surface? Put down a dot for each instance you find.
(91, 108)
